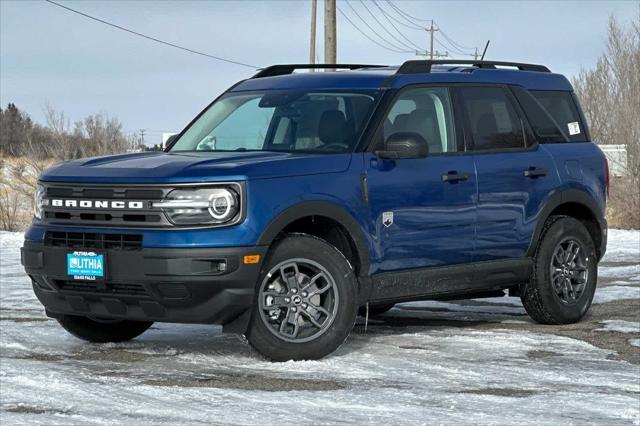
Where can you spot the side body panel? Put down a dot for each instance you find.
(581, 166)
(433, 221)
(509, 202)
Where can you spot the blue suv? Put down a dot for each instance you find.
(296, 200)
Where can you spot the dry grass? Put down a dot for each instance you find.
(18, 179)
(623, 209)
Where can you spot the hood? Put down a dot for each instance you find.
(161, 167)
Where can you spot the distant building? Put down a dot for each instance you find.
(617, 158)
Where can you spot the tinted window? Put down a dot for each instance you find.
(562, 107)
(544, 126)
(494, 122)
(426, 111)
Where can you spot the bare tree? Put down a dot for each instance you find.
(610, 97)
(9, 210)
(101, 135)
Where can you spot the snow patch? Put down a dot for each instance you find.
(411, 374)
(623, 246)
(611, 293)
(620, 326)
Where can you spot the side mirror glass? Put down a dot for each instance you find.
(403, 145)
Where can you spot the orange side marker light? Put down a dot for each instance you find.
(251, 259)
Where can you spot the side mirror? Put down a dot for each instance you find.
(403, 145)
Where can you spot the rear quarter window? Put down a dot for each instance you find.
(562, 107)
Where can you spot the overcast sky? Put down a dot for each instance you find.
(50, 55)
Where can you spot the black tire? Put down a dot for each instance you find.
(304, 341)
(375, 310)
(103, 331)
(543, 301)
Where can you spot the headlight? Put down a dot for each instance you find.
(39, 202)
(201, 206)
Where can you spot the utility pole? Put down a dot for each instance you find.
(142, 132)
(475, 55)
(312, 46)
(431, 30)
(431, 53)
(330, 32)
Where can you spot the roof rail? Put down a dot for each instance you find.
(285, 69)
(424, 66)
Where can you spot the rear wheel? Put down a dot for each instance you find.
(306, 300)
(565, 273)
(103, 331)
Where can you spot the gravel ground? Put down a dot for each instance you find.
(473, 361)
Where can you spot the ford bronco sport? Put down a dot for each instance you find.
(296, 199)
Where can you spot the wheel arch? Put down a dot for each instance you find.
(313, 216)
(579, 205)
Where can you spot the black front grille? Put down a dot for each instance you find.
(127, 289)
(64, 208)
(83, 240)
(107, 193)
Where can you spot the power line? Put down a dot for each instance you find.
(464, 50)
(406, 15)
(413, 45)
(344, 15)
(403, 23)
(387, 16)
(452, 47)
(453, 42)
(149, 37)
(448, 47)
(399, 48)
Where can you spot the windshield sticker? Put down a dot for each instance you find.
(574, 128)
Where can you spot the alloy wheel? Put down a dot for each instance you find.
(569, 271)
(298, 300)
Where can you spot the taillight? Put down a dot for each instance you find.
(606, 175)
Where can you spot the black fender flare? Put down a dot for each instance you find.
(324, 209)
(563, 197)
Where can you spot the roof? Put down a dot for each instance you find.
(388, 76)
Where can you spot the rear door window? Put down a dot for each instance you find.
(562, 107)
(495, 123)
(547, 130)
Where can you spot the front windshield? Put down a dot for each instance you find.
(287, 121)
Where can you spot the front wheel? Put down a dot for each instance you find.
(565, 273)
(103, 331)
(305, 301)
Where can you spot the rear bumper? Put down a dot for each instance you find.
(148, 284)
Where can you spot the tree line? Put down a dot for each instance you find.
(609, 94)
(94, 135)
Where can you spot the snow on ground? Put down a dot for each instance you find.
(621, 326)
(423, 362)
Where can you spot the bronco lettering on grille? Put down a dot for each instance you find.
(97, 204)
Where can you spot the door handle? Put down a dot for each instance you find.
(453, 177)
(534, 173)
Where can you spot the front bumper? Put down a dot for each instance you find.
(148, 284)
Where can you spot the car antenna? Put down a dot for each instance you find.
(484, 52)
